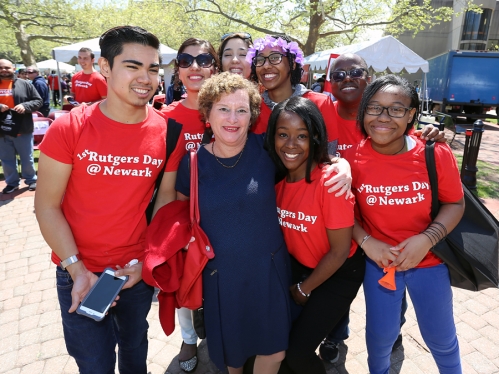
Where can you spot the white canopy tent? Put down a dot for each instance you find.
(67, 52)
(52, 65)
(382, 54)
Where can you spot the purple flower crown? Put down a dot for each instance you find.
(268, 41)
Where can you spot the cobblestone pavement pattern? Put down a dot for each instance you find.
(31, 338)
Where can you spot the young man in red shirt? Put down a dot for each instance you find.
(102, 162)
(88, 85)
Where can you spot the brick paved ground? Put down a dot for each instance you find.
(31, 338)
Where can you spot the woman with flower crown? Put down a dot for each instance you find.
(276, 62)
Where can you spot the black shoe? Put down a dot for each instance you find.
(189, 365)
(32, 186)
(329, 351)
(10, 189)
(398, 343)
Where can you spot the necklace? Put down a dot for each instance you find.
(401, 149)
(220, 162)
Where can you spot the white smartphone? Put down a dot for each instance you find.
(100, 297)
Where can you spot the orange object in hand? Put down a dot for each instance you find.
(388, 280)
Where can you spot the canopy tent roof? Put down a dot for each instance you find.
(52, 65)
(67, 52)
(382, 54)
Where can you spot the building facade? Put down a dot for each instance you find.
(466, 31)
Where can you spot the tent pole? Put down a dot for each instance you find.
(60, 85)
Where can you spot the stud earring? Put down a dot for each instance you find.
(208, 124)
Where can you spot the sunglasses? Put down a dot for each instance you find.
(274, 59)
(340, 75)
(204, 60)
(28, 72)
(242, 35)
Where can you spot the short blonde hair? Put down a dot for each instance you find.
(226, 83)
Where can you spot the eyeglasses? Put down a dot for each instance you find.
(274, 59)
(340, 75)
(242, 35)
(393, 111)
(204, 60)
(28, 72)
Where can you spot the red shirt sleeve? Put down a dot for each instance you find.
(60, 139)
(327, 109)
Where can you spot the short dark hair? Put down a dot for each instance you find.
(85, 49)
(295, 73)
(381, 82)
(112, 41)
(187, 43)
(237, 35)
(312, 118)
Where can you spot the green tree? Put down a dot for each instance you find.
(321, 23)
(31, 28)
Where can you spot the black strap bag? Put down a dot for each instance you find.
(8, 124)
(173, 130)
(470, 251)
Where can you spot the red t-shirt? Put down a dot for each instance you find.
(348, 133)
(115, 167)
(54, 82)
(88, 87)
(322, 101)
(305, 211)
(393, 192)
(192, 126)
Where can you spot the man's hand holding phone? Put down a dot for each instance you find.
(83, 280)
(134, 271)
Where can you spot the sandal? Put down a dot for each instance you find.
(189, 365)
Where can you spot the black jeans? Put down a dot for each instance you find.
(325, 307)
(55, 97)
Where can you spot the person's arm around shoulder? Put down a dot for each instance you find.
(341, 180)
(53, 177)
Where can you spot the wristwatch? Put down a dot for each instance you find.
(69, 261)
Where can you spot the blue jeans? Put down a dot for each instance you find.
(341, 332)
(22, 145)
(431, 295)
(92, 344)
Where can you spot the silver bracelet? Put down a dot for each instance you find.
(364, 240)
(299, 289)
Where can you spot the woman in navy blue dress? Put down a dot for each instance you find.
(245, 287)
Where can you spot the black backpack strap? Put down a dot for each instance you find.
(432, 173)
(173, 130)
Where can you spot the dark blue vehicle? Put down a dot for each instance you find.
(464, 82)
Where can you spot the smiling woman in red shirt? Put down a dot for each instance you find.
(327, 269)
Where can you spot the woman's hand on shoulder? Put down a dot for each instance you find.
(342, 180)
(412, 251)
(380, 252)
(430, 132)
